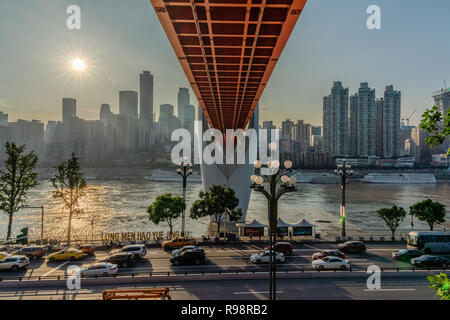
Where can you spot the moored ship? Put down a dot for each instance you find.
(400, 178)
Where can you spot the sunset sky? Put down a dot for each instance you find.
(119, 39)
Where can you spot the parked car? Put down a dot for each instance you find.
(32, 252)
(99, 269)
(14, 263)
(194, 256)
(189, 247)
(3, 255)
(285, 248)
(328, 253)
(406, 254)
(66, 254)
(177, 243)
(331, 263)
(87, 249)
(49, 248)
(430, 261)
(352, 247)
(122, 259)
(138, 250)
(264, 256)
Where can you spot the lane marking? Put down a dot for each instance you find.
(392, 289)
(255, 292)
(57, 268)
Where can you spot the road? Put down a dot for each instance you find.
(292, 289)
(223, 258)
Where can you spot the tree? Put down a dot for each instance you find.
(438, 124)
(392, 217)
(70, 186)
(441, 284)
(16, 179)
(215, 203)
(166, 208)
(429, 211)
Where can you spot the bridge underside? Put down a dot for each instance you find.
(228, 50)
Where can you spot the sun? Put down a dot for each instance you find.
(78, 64)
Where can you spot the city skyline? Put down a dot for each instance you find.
(299, 93)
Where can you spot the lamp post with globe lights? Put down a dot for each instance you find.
(184, 170)
(344, 171)
(275, 177)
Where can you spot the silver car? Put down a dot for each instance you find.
(99, 269)
(14, 263)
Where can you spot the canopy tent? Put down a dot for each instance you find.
(282, 224)
(303, 223)
(303, 228)
(254, 228)
(282, 227)
(254, 224)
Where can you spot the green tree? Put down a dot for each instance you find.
(166, 208)
(441, 284)
(16, 178)
(70, 186)
(215, 203)
(429, 211)
(392, 217)
(437, 124)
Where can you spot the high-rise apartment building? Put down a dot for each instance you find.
(363, 122)
(3, 119)
(286, 129)
(128, 104)
(301, 132)
(335, 121)
(442, 101)
(379, 127)
(391, 123)
(69, 109)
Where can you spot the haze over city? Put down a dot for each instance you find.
(332, 43)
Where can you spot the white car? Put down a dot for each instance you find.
(331, 263)
(138, 250)
(264, 256)
(99, 269)
(14, 263)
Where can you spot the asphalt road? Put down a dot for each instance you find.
(220, 258)
(292, 289)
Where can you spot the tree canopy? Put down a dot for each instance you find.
(393, 217)
(437, 124)
(429, 211)
(215, 203)
(166, 208)
(16, 178)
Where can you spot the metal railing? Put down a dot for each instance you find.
(248, 270)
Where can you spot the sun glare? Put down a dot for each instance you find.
(78, 64)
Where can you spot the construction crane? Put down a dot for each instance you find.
(408, 118)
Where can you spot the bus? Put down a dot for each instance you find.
(429, 242)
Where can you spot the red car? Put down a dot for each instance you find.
(285, 248)
(326, 253)
(352, 247)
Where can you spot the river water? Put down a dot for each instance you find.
(120, 206)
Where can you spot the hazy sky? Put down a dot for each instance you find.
(119, 39)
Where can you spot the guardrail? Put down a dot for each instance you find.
(216, 272)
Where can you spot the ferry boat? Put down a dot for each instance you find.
(400, 178)
(169, 176)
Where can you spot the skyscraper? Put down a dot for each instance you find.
(442, 101)
(183, 101)
(286, 129)
(391, 123)
(362, 122)
(146, 108)
(128, 115)
(69, 109)
(335, 120)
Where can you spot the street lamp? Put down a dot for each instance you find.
(344, 171)
(184, 170)
(287, 184)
